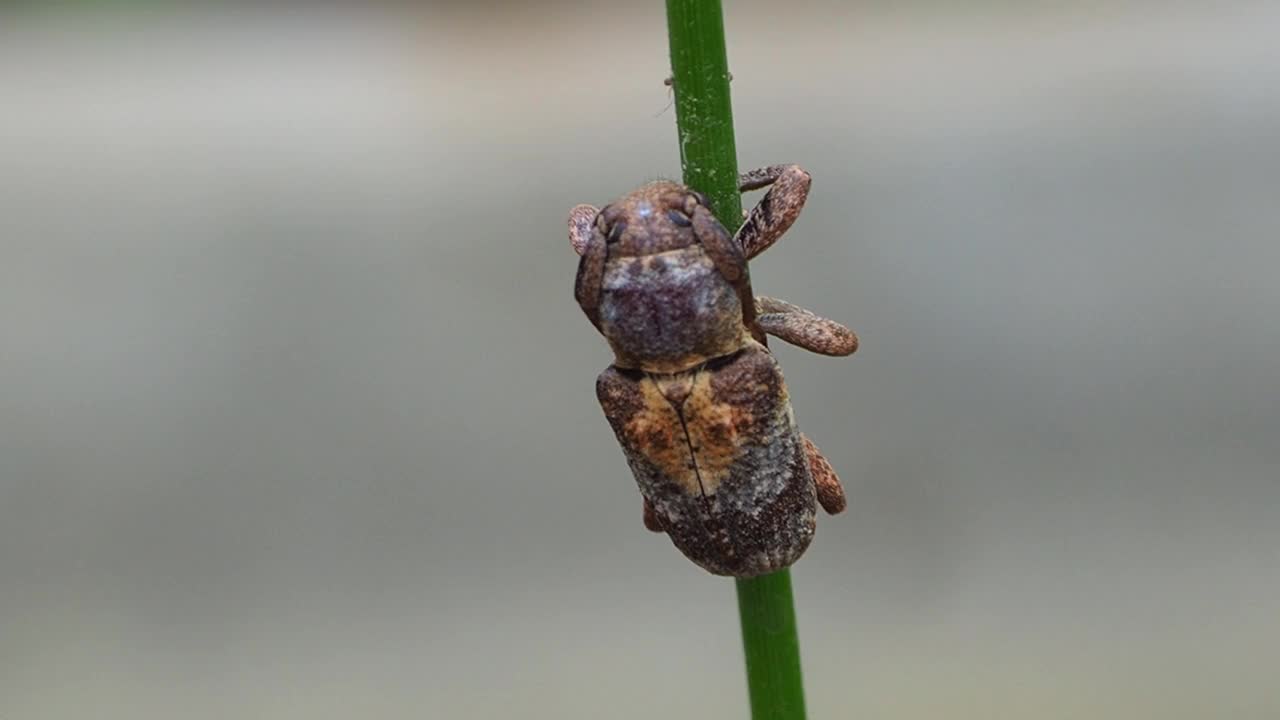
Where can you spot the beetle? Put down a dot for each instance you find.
(694, 396)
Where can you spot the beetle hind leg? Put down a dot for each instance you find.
(830, 492)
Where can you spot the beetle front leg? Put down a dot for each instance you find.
(803, 328)
(830, 492)
(777, 210)
(727, 255)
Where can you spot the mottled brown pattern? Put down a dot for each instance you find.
(587, 284)
(761, 177)
(661, 279)
(803, 328)
(658, 433)
(581, 221)
(696, 401)
(830, 493)
(726, 252)
(647, 228)
(668, 312)
(780, 207)
(724, 470)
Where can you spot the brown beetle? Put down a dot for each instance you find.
(694, 396)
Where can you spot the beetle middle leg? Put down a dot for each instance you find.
(803, 328)
(777, 210)
(830, 492)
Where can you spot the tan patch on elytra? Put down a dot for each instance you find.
(657, 433)
(716, 431)
(698, 453)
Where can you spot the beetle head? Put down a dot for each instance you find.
(652, 219)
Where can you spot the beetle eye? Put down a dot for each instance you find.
(679, 218)
(615, 233)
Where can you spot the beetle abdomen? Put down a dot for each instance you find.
(669, 310)
(716, 452)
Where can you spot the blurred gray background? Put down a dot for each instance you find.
(297, 415)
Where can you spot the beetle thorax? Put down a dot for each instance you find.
(669, 311)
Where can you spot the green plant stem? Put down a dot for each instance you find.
(772, 647)
(708, 157)
(704, 115)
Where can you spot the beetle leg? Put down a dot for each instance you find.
(726, 253)
(777, 210)
(586, 286)
(651, 520)
(802, 328)
(830, 492)
(761, 177)
(582, 220)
